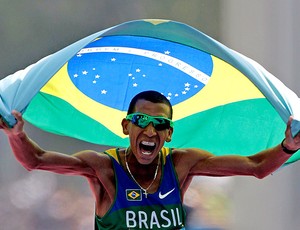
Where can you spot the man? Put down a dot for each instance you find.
(142, 187)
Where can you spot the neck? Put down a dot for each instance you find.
(143, 175)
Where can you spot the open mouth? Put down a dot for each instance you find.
(147, 147)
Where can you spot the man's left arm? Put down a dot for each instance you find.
(271, 159)
(259, 165)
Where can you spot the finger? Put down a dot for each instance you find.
(288, 132)
(17, 115)
(289, 123)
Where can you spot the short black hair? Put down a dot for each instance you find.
(152, 96)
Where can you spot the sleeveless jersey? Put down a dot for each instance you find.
(133, 210)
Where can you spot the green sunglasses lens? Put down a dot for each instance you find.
(143, 120)
(140, 120)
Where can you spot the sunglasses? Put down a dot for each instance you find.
(143, 120)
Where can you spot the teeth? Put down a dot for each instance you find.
(148, 143)
(147, 147)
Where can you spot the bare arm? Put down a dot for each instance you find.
(259, 165)
(31, 156)
(96, 167)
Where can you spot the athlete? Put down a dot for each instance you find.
(143, 186)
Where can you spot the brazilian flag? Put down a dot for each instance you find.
(223, 101)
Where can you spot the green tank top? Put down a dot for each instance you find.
(133, 210)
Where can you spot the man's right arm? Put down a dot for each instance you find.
(32, 156)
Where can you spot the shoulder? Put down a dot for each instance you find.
(185, 162)
(98, 164)
(188, 157)
(93, 158)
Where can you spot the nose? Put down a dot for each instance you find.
(150, 131)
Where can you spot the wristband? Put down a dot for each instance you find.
(286, 150)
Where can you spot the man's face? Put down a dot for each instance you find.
(146, 142)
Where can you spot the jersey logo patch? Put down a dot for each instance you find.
(134, 194)
(163, 196)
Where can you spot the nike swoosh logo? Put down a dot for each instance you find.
(163, 196)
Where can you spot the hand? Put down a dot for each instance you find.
(290, 142)
(18, 127)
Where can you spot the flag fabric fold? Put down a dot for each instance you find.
(223, 101)
(19, 88)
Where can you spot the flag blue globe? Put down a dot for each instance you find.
(118, 67)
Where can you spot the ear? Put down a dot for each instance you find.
(169, 137)
(125, 126)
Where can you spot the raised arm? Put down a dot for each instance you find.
(96, 167)
(259, 165)
(31, 156)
